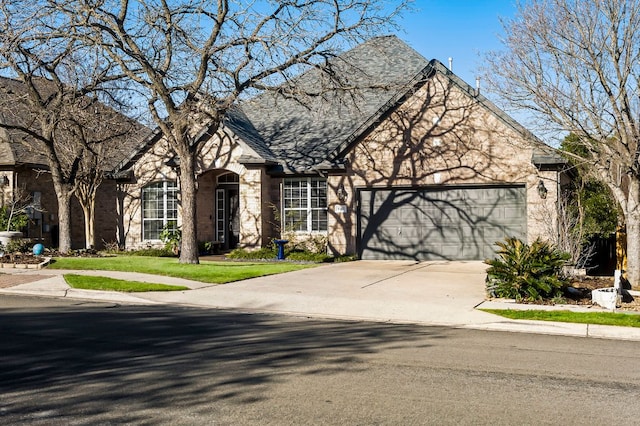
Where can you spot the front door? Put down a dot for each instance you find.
(227, 217)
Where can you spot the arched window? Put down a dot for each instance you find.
(159, 208)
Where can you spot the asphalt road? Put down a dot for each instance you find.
(64, 362)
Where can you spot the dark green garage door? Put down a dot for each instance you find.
(460, 223)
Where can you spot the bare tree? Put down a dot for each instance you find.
(49, 102)
(575, 66)
(564, 224)
(193, 59)
(96, 140)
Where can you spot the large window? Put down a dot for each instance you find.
(159, 208)
(305, 204)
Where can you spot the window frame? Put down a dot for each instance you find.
(305, 198)
(166, 209)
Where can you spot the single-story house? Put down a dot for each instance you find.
(24, 168)
(401, 160)
(408, 161)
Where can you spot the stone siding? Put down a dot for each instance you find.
(44, 224)
(438, 137)
(219, 155)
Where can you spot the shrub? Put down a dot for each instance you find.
(305, 242)
(171, 236)
(261, 254)
(306, 256)
(526, 272)
(268, 253)
(205, 247)
(153, 252)
(18, 245)
(111, 247)
(11, 220)
(149, 251)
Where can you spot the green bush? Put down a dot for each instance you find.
(151, 252)
(261, 254)
(268, 253)
(306, 256)
(205, 247)
(18, 219)
(18, 245)
(526, 272)
(171, 236)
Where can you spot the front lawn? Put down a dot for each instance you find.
(86, 282)
(208, 272)
(600, 318)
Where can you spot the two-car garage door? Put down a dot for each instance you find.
(460, 223)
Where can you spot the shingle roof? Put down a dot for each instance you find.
(237, 121)
(18, 148)
(311, 134)
(11, 112)
(306, 134)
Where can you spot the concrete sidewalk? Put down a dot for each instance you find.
(430, 293)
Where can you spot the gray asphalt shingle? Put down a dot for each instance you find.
(123, 135)
(305, 132)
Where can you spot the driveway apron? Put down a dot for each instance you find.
(443, 293)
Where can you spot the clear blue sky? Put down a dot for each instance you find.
(464, 30)
(461, 29)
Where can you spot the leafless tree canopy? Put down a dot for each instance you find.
(575, 66)
(54, 97)
(192, 60)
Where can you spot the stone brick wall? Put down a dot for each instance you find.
(44, 224)
(219, 155)
(440, 136)
(151, 167)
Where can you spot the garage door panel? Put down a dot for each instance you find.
(458, 223)
(411, 233)
(494, 234)
(472, 251)
(413, 215)
(513, 213)
(431, 213)
(494, 212)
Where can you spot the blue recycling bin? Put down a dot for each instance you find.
(280, 244)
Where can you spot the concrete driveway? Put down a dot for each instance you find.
(443, 293)
(430, 293)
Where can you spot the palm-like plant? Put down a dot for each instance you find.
(526, 272)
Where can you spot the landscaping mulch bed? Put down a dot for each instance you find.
(580, 293)
(21, 259)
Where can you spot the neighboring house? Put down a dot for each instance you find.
(24, 167)
(403, 161)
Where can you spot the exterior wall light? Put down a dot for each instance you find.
(542, 190)
(4, 181)
(342, 193)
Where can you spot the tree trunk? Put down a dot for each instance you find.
(88, 210)
(189, 242)
(64, 219)
(632, 219)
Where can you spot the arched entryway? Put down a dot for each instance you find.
(226, 206)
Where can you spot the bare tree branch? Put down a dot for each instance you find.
(194, 59)
(575, 67)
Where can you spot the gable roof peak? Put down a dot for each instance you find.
(306, 127)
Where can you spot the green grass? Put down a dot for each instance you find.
(87, 282)
(208, 272)
(600, 318)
